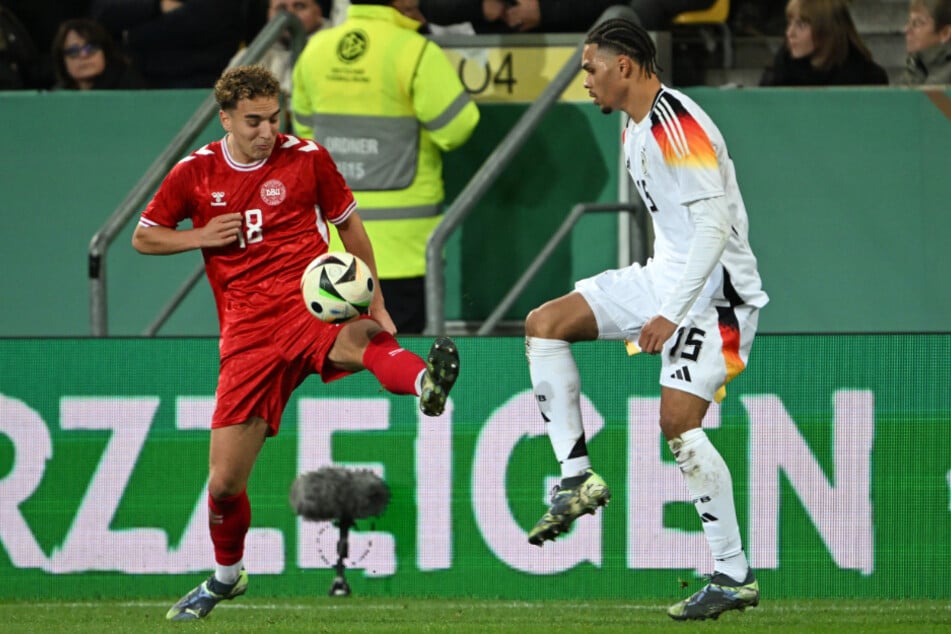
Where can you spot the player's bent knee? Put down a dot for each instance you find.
(540, 323)
(358, 333)
(224, 487)
(351, 343)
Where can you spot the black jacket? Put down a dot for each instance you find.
(118, 77)
(184, 48)
(557, 16)
(857, 70)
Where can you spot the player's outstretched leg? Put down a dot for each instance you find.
(721, 594)
(202, 600)
(442, 370)
(575, 497)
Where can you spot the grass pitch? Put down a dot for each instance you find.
(355, 614)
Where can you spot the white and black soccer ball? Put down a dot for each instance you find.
(337, 286)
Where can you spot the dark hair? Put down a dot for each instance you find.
(626, 38)
(245, 82)
(95, 34)
(940, 11)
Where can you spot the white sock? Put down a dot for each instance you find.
(419, 382)
(228, 575)
(711, 488)
(557, 388)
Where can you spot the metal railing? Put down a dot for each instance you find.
(488, 173)
(457, 212)
(139, 194)
(560, 234)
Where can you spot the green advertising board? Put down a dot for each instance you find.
(838, 446)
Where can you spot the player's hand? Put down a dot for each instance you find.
(221, 230)
(655, 334)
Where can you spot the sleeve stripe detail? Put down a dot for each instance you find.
(293, 141)
(450, 113)
(346, 214)
(672, 128)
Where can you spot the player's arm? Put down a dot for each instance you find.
(711, 222)
(157, 240)
(355, 240)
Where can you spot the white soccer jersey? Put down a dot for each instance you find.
(677, 156)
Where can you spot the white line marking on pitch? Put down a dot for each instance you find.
(456, 605)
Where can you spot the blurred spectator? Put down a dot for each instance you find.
(42, 18)
(178, 43)
(928, 42)
(556, 16)
(822, 48)
(548, 16)
(313, 15)
(18, 55)
(482, 16)
(85, 57)
(410, 8)
(386, 103)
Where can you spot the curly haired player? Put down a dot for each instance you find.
(259, 203)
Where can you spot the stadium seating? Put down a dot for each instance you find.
(713, 19)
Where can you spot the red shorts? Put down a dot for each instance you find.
(266, 352)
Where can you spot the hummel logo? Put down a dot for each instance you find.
(218, 202)
(683, 374)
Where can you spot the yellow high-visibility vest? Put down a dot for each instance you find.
(386, 102)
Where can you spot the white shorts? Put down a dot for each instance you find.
(709, 348)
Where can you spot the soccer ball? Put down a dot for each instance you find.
(337, 287)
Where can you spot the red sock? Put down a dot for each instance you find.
(395, 368)
(229, 519)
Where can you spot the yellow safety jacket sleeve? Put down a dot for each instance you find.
(442, 104)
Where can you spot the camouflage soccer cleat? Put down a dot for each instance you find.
(721, 594)
(442, 370)
(203, 599)
(573, 498)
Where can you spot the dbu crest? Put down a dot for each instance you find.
(273, 192)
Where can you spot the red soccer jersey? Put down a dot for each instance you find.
(286, 202)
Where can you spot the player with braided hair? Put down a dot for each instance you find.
(696, 302)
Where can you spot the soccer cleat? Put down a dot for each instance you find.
(442, 370)
(202, 600)
(721, 594)
(575, 497)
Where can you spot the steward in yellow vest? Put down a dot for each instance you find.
(386, 102)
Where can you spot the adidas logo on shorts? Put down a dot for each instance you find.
(682, 374)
